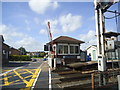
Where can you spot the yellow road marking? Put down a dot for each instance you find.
(14, 82)
(33, 78)
(29, 71)
(28, 84)
(6, 79)
(23, 72)
(27, 76)
(20, 77)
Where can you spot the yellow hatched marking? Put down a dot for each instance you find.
(20, 77)
(6, 80)
(29, 71)
(33, 78)
(11, 82)
(8, 77)
(28, 84)
(27, 76)
(11, 72)
(23, 73)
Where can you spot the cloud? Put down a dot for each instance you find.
(55, 5)
(70, 23)
(63, 24)
(109, 30)
(29, 43)
(40, 6)
(54, 25)
(18, 39)
(89, 38)
(9, 32)
(43, 31)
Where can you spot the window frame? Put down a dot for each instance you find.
(63, 49)
(74, 49)
(68, 45)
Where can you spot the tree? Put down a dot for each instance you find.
(23, 51)
(42, 54)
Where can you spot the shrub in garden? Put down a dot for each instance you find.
(19, 58)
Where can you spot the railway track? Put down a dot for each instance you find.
(68, 79)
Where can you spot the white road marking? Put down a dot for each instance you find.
(37, 76)
(50, 87)
(10, 71)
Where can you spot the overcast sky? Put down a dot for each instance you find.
(25, 23)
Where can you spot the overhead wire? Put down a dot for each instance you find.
(116, 14)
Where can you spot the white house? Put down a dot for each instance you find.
(92, 52)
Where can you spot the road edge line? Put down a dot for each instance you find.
(37, 76)
(10, 71)
(50, 86)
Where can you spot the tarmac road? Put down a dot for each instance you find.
(24, 77)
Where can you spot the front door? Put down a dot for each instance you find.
(94, 55)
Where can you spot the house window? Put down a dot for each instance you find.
(63, 49)
(71, 49)
(9, 52)
(60, 49)
(74, 49)
(3, 51)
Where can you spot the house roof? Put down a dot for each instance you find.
(1, 36)
(92, 46)
(66, 39)
(110, 34)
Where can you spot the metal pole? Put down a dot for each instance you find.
(97, 29)
(93, 81)
(118, 82)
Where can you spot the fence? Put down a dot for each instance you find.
(107, 79)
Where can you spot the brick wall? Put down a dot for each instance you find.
(14, 51)
(5, 53)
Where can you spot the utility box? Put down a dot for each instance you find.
(101, 63)
(111, 45)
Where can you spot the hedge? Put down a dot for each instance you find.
(19, 58)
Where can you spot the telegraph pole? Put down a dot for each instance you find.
(100, 30)
(101, 6)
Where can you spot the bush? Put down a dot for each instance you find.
(19, 58)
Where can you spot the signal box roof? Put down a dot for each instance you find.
(66, 39)
(110, 34)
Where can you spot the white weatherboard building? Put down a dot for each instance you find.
(92, 52)
(66, 49)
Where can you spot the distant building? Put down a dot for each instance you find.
(92, 52)
(5, 51)
(66, 49)
(14, 51)
(33, 53)
(112, 45)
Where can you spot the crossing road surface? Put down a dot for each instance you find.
(24, 77)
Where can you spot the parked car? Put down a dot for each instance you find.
(45, 58)
(34, 60)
